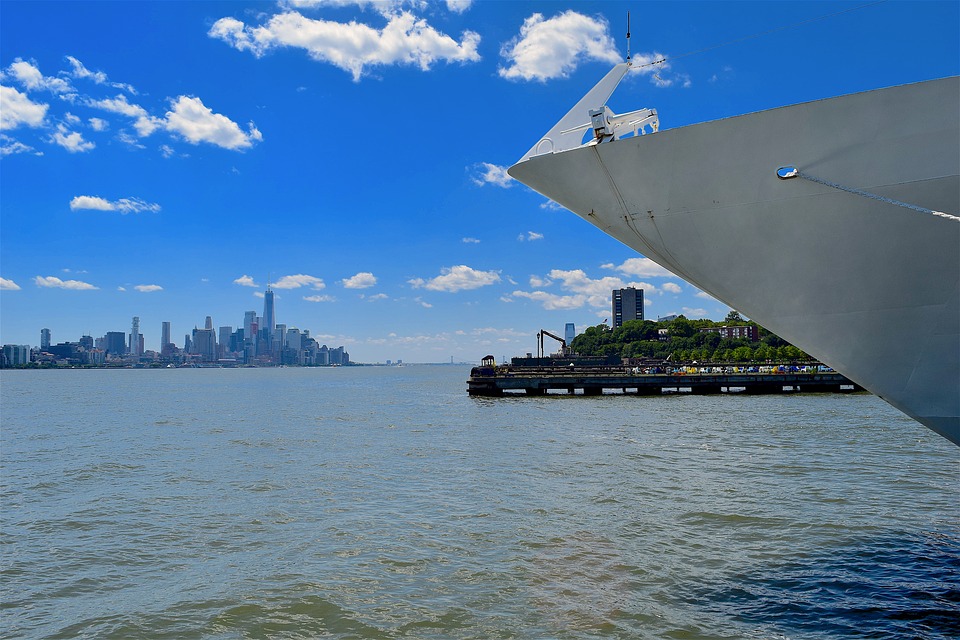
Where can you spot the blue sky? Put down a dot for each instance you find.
(168, 159)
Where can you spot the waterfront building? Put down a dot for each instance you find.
(569, 332)
(269, 320)
(136, 343)
(164, 337)
(627, 305)
(224, 341)
(115, 343)
(86, 342)
(44, 339)
(204, 343)
(16, 354)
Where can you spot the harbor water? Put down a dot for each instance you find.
(376, 502)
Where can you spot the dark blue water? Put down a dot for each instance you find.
(386, 503)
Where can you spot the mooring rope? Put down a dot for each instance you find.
(786, 173)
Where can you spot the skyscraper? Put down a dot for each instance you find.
(164, 335)
(135, 341)
(569, 332)
(269, 321)
(627, 305)
(44, 339)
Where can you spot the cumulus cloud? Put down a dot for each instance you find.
(196, 123)
(9, 146)
(123, 205)
(671, 287)
(579, 289)
(148, 288)
(554, 47)
(352, 46)
(8, 285)
(459, 6)
(363, 280)
(297, 281)
(72, 141)
(98, 77)
(640, 268)
(53, 282)
(377, 296)
(245, 281)
(485, 173)
(17, 109)
(553, 301)
(29, 76)
(189, 118)
(470, 241)
(98, 124)
(319, 298)
(530, 236)
(457, 278)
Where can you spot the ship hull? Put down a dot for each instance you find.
(871, 287)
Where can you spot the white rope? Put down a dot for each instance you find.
(791, 172)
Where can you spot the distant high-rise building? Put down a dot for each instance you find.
(224, 342)
(44, 339)
(268, 323)
(205, 344)
(135, 349)
(569, 332)
(208, 323)
(187, 344)
(164, 335)
(627, 305)
(86, 342)
(115, 343)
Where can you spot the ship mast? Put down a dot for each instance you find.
(628, 36)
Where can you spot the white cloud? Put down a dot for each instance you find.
(671, 287)
(581, 289)
(72, 141)
(323, 298)
(17, 109)
(28, 75)
(363, 280)
(8, 285)
(459, 6)
(377, 296)
(486, 173)
(553, 48)
(552, 301)
(297, 281)
(9, 147)
(98, 124)
(470, 241)
(352, 46)
(640, 267)
(123, 205)
(148, 288)
(246, 281)
(457, 278)
(121, 288)
(530, 237)
(695, 313)
(197, 123)
(53, 282)
(425, 305)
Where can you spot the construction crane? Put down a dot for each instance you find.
(544, 332)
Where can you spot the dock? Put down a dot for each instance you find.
(595, 381)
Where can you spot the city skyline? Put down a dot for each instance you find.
(170, 161)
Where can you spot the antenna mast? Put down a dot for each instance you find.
(628, 36)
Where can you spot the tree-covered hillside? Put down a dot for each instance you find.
(684, 342)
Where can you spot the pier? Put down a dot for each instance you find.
(594, 381)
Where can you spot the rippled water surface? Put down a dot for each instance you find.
(386, 503)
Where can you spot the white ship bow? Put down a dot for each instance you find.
(852, 253)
